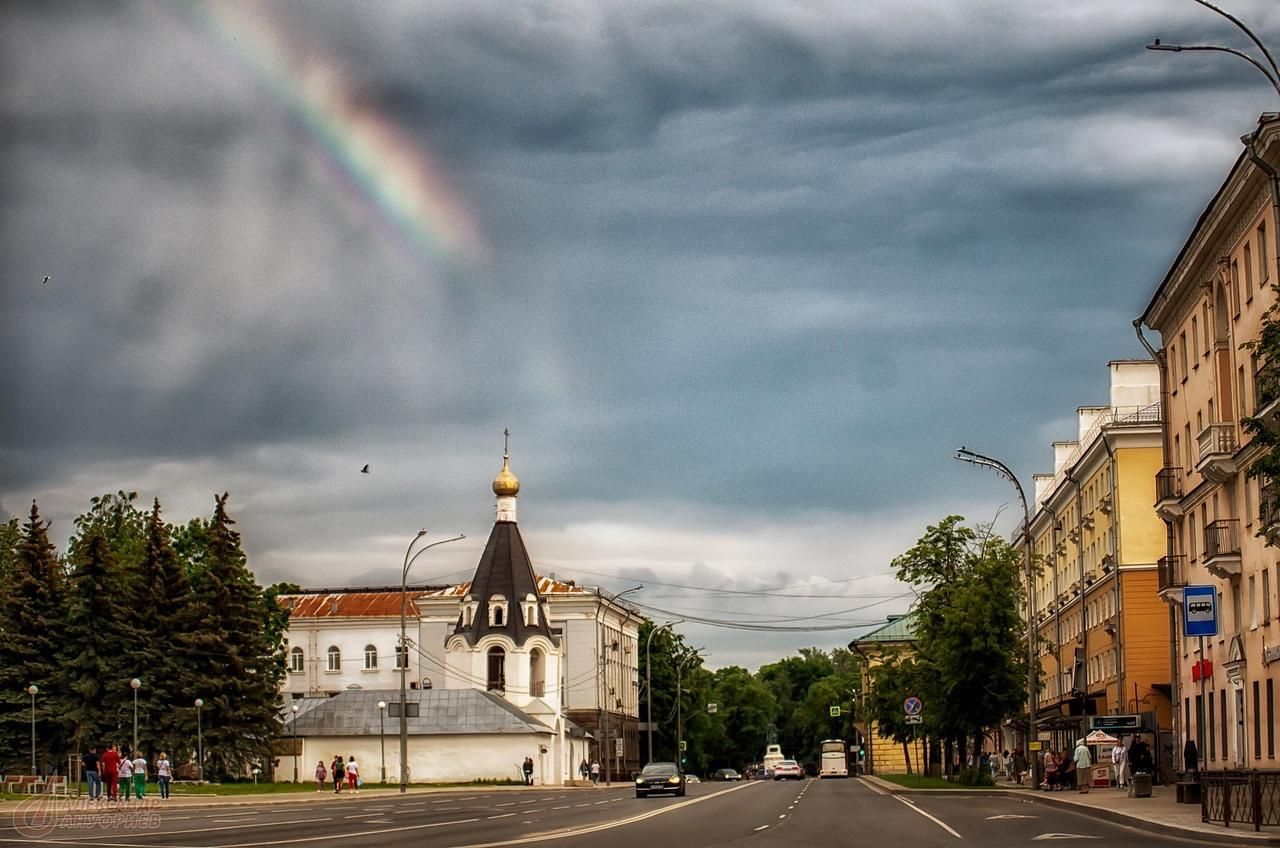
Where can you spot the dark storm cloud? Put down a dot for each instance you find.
(746, 262)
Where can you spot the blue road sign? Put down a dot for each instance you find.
(1200, 611)
(912, 706)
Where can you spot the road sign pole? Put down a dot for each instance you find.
(1200, 754)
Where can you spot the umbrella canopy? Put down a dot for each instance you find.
(1100, 737)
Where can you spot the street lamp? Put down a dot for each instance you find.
(382, 737)
(680, 664)
(199, 743)
(1272, 75)
(294, 723)
(648, 678)
(1002, 470)
(607, 704)
(135, 683)
(33, 690)
(404, 649)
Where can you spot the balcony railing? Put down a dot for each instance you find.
(1217, 444)
(1222, 538)
(1171, 572)
(1266, 384)
(538, 688)
(1169, 493)
(1269, 509)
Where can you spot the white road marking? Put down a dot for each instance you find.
(508, 804)
(783, 816)
(362, 815)
(565, 807)
(530, 801)
(582, 805)
(939, 822)
(503, 816)
(1003, 816)
(598, 803)
(1061, 836)
(761, 827)
(546, 799)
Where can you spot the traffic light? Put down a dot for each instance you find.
(684, 759)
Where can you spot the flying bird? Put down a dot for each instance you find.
(45, 280)
(364, 470)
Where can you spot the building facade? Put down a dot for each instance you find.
(1104, 637)
(895, 638)
(1211, 303)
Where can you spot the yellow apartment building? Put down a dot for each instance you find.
(1104, 647)
(1210, 302)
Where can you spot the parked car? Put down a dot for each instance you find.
(726, 774)
(788, 770)
(659, 777)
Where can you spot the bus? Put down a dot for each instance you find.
(833, 758)
(772, 756)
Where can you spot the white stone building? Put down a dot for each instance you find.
(562, 657)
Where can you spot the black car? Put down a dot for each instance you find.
(726, 774)
(659, 777)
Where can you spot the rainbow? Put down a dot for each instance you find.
(377, 164)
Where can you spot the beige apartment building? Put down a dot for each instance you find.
(1104, 646)
(1211, 301)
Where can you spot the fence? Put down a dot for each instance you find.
(1243, 797)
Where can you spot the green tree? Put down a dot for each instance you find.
(1265, 440)
(242, 662)
(893, 680)
(969, 627)
(10, 545)
(32, 605)
(737, 732)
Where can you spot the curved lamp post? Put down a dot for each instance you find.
(1270, 71)
(605, 693)
(199, 743)
(648, 678)
(1003, 470)
(135, 684)
(404, 648)
(33, 690)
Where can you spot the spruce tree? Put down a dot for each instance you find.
(32, 611)
(98, 707)
(242, 661)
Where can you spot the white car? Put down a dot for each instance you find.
(788, 770)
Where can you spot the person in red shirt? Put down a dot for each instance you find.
(109, 765)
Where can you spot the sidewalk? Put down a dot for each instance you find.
(1158, 814)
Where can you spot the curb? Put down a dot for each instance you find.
(1226, 835)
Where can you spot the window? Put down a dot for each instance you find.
(1195, 339)
(1264, 257)
(370, 657)
(497, 678)
(497, 611)
(1257, 721)
(297, 662)
(1266, 595)
(1242, 390)
(1271, 719)
(1222, 725)
(1235, 287)
(1182, 355)
(335, 659)
(400, 656)
(1207, 325)
(1248, 274)
(1253, 602)
(1186, 443)
(1213, 736)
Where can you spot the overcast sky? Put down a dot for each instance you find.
(738, 276)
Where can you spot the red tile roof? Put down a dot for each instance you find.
(354, 604)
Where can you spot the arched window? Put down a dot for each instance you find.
(297, 661)
(537, 673)
(335, 658)
(497, 611)
(370, 657)
(497, 669)
(530, 611)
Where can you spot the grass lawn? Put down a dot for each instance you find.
(186, 788)
(913, 781)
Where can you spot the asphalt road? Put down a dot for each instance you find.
(754, 815)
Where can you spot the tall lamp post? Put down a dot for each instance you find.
(382, 738)
(33, 690)
(1270, 71)
(680, 664)
(648, 678)
(135, 684)
(199, 743)
(294, 724)
(404, 649)
(606, 693)
(1003, 470)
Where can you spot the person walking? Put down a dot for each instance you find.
(1120, 764)
(322, 776)
(353, 775)
(109, 768)
(1019, 766)
(91, 774)
(139, 776)
(528, 771)
(584, 770)
(1050, 770)
(595, 773)
(164, 773)
(126, 776)
(1083, 762)
(339, 772)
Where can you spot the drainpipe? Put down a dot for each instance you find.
(1175, 669)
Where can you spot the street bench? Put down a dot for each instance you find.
(1188, 791)
(23, 783)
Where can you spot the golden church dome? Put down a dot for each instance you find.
(506, 484)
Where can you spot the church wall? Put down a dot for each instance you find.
(443, 758)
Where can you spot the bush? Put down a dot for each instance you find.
(974, 777)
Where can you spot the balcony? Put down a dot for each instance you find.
(1169, 493)
(1171, 578)
(1266, 395)
(538, 688)
(1217, 458)
(1222, 547)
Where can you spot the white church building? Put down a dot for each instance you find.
(505, 666)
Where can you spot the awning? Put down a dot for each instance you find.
(1100, 737)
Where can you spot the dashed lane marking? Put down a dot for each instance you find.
(502, 816)
(761, 827)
